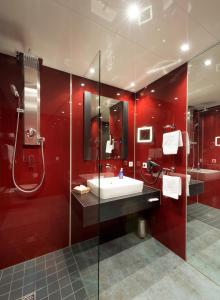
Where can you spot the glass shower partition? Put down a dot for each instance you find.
(203, 205)
(86, 170)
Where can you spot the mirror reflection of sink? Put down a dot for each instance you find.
(114, 187)
(203, 171)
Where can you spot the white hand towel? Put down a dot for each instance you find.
(171, 142)
(187, 143)
(108, 148)
(172, 186)
(188, 178)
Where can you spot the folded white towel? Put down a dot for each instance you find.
(172, 186)
(171, 142)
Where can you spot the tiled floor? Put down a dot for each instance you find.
(203, 240)
(53, 276)
(204, 213)
(129, 268)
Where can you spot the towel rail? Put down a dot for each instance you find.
(169, 126)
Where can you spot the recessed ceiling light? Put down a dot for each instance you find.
(152, 91)
(115, 109)
(184, 47)
(118, 94)
(176, 98)
(133, 11)
(164, 41)
(82, 84)
(91, 70)
(207, 62)
(132, 84)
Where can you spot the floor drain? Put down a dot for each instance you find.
(31, 296)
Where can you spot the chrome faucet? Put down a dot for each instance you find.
(109, 167)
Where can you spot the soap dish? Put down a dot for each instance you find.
(81, 189)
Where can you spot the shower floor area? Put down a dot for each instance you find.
(203, 240)
(129, 268)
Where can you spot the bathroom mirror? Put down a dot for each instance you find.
(145, 134)
(113, 125)
(203, 125)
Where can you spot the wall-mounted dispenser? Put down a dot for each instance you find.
(30, 108)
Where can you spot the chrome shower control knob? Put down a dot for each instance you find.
(30, 132)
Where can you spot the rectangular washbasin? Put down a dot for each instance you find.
(111, 187)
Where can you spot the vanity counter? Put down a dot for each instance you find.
(89, 207)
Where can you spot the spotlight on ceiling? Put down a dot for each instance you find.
(208, 62)
(82, 84)
(118, 94)
(152, 91)
(184, 47)
(132, 84)
(91, 70)
(133, 12)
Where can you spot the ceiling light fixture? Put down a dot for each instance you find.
(82, 84)
(118, 94)
(132, 84)
(208, 62)
(184, 47)
(91, 70)
(133, 12)
(152, 91)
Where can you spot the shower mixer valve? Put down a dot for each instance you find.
(30, 132)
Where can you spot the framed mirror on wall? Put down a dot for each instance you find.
(145, 134)
(113, 124)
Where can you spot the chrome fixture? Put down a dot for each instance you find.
(31, 112)
(169, 126)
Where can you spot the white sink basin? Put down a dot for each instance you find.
(114, 187)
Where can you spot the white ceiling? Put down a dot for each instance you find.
(204, 81)
(67, 34)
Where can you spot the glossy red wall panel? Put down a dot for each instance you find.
(32, 226)
(162, 103)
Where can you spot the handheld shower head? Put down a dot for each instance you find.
(14, 91)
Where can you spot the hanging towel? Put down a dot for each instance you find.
(187, 143)
(188, 178)
(171, 142)
(172, 186)
(108, 148)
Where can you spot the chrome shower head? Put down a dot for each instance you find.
(14, 91)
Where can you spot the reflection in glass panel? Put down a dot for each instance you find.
(203, 210)
(112, 116)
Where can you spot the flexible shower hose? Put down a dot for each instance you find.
(13, 161)
(154, 180)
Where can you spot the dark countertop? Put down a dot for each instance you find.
(90, 208)
(196, 187)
